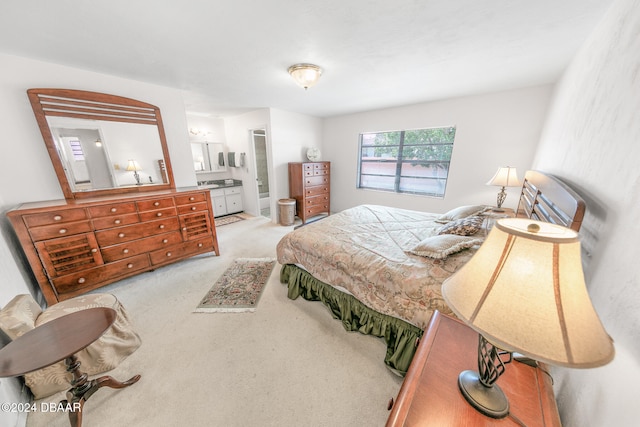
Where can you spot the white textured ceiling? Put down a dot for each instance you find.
(230, 56)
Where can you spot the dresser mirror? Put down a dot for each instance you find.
(102, 144)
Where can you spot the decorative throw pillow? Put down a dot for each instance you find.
(463, 227)
(461, 212)
(443, 245)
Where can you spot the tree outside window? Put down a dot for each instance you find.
(408, 161)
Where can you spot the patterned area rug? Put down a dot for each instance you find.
(239, 287)
(230, 219)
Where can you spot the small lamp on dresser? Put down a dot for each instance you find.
(134, 166)
(504, 177)
(524, 291)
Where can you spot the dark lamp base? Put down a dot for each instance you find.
(490, 401)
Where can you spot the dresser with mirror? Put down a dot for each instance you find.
(122, 213)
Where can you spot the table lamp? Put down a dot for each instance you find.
(504, 177)
(524, 291)
(135, 167)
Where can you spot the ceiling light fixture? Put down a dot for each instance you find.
(305, 75)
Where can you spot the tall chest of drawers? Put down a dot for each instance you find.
(75, 247)
(309, 185)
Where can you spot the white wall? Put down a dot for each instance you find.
(292, 135)
(499, 129)
(592, 140)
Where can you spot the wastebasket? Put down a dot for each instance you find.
(287, 208)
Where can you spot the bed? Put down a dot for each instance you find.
(380, 269)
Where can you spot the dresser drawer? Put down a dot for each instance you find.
(183, 250)
(316, 209)
(193, 207)
(59, 230)
(190, 198)
(195, 226)
(160, 213)
(314, 191)
(136, 247)
(66, 255)
(316, 180)
(149, 205)
(54, 217)
(90, 277)
(112, 209)
(115, 221)
(316, 172)
(317, 200)
(136, 231)
(232, 190)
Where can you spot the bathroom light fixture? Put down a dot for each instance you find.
(98, 142)
(305, 75)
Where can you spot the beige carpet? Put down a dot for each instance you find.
(287, 364)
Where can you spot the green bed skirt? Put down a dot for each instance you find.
(401, 337)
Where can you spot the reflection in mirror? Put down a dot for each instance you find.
(90, 166)
(208, 157)
(93, 138)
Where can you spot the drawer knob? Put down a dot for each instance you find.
(165, 241)
(82, 280)
(192, 199)
(125, 251)
(184, 228)
(156, 204)
(57, 218)
(129, 265)
(159, 214)
(120, 234)
(199, 245)
(114, 210)
(62, 230)
(117, 221)
(193, 208)
(168, 254)
(161, 226)
(94, 250)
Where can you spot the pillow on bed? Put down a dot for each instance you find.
(463, 226)
(461, 212)
(443, 245)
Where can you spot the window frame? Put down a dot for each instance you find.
(399, 161)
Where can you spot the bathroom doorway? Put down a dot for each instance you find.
(259, 139)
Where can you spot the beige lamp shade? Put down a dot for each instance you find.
(524, 291)
(133, 166)
(505, 177)
(305, 75)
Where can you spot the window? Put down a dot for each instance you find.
(76, 149)
(407, 161)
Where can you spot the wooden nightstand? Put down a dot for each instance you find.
(429, 395)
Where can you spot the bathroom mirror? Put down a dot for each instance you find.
(208, 157)
(102, 144)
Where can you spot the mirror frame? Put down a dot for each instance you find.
(96, 106)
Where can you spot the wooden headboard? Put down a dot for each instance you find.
(546, 198)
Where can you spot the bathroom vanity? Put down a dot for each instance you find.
(226, 196)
